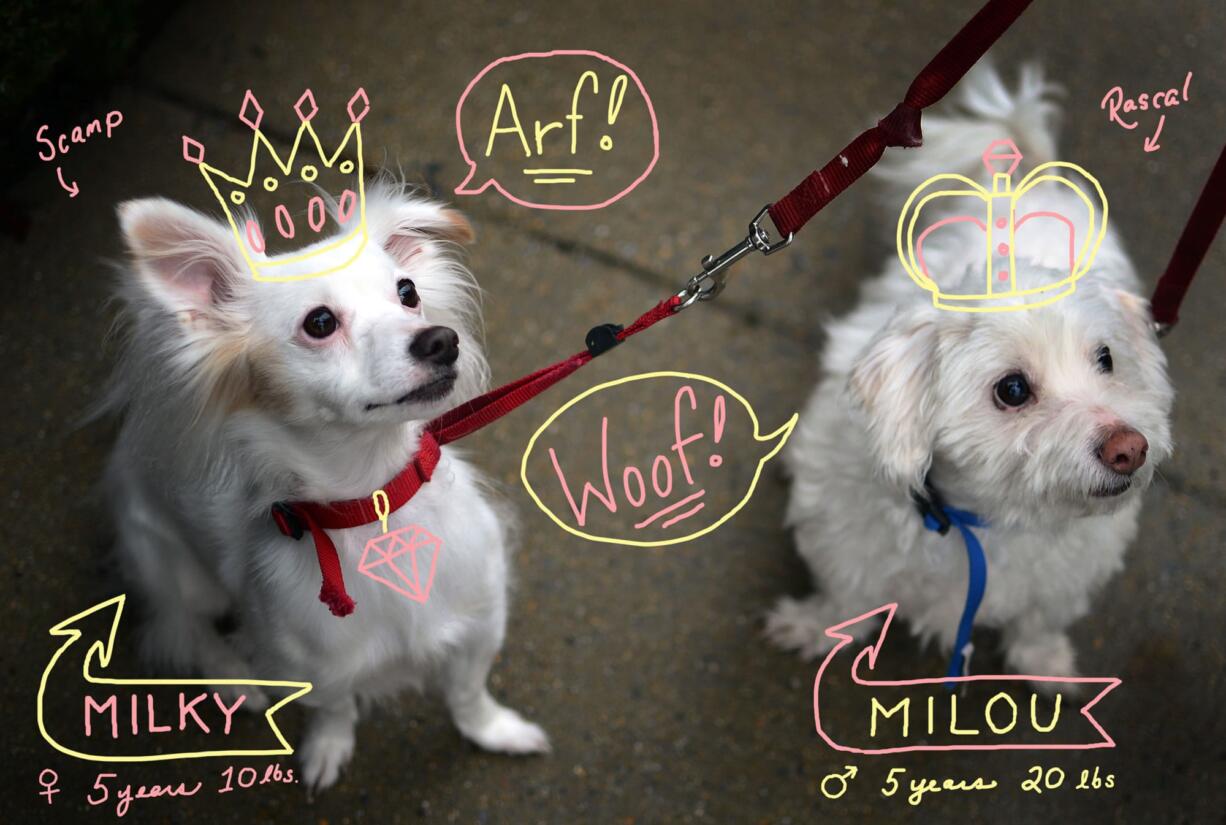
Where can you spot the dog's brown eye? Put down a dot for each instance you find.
(1104, 359)
(408, 293)
(320, 323)
(1013, 390)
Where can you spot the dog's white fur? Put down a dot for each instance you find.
(229, 407)
(907, 392)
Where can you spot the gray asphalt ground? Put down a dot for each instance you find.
(646, 666)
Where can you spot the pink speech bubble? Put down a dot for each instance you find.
(465, 189)
(841, 633)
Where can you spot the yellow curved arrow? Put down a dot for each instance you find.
(103, 650)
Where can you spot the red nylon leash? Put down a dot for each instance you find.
(1194, 243)
(900, 127)
(486, 409)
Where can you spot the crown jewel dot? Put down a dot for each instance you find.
(359, 97)
(307, 101)
(251, 113)
(193, 151)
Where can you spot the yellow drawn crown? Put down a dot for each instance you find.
(996, 213)
(351, 207)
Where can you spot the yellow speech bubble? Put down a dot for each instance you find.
(671, 489)
(102, 650)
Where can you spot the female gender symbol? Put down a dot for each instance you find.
(49, 789)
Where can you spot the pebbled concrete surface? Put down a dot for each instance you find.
(646, 666)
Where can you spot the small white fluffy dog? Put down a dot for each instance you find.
(237, 394)
(1046, 422)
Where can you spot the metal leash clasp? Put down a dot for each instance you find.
(711, 281)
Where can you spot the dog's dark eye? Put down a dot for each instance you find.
(408, 293)
(1013, 390)
(320, 323)
(1104, 359)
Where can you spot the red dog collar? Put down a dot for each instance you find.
(295, 517)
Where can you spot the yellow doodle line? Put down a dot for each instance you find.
(103, 652)
(258, 267)
(1089, 249)
(782, 433)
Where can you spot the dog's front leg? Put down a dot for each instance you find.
(1036, 646)
(800, 624)
(328, 745)
(477, 714)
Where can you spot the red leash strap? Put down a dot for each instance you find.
(486, 409)
(1195, 241)
(900, 127)
(295, 518)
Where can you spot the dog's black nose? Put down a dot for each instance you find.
(436, 345)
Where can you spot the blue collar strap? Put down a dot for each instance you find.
(939, 517)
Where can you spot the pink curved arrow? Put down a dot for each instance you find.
(73, 190)
(1151, 143)
(843, 639)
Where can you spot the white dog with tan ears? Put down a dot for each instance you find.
(238, 394)
(1045, 422)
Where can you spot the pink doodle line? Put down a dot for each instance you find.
(1109, 683)
(670, 508)
(683, 516)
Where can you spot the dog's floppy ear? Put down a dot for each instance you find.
(1139, 331)
(1136, 312)
(187, 262)
(892, 380)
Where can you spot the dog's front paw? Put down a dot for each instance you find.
(1048, 655)
(798, 625)
(254, 700)
(508, 732)
(324, 753)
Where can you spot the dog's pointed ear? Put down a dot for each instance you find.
(185, 261)
(400, 225)
(892, 381)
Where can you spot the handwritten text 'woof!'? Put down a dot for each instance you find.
(680, 457)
